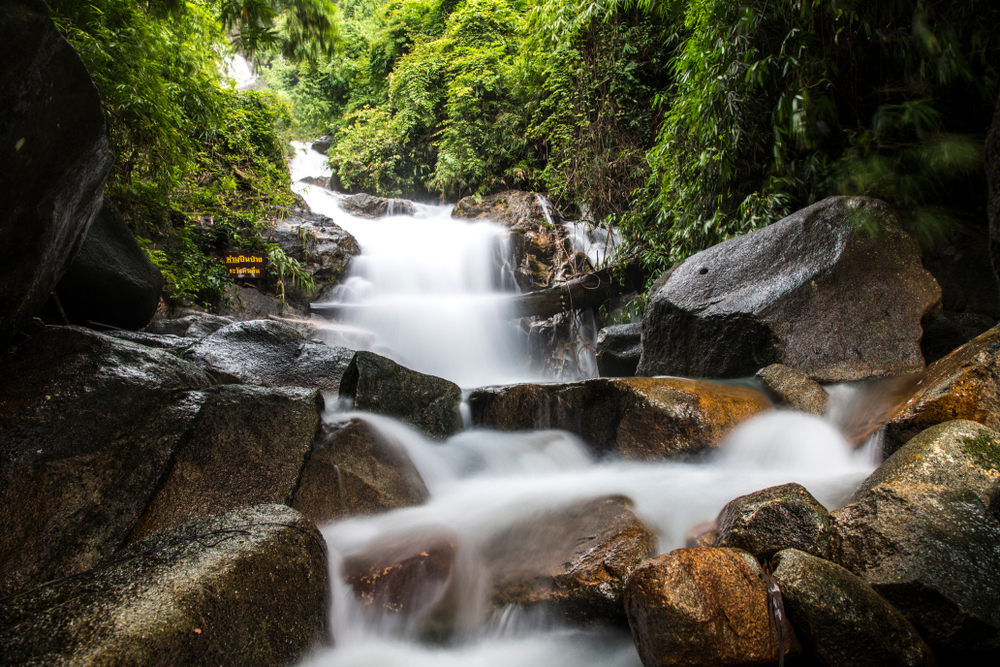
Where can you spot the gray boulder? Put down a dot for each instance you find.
(380, 385)
(817, 291)
(845, 622)
(618, 350)
(247, 447)
(270, 354)
(794, 389)
(89, 426)
(369, 206)
(354, 471)
(323, 144)
(195, 325)
(957, 454)
(932, 553)
(767, 521)
(322, 247)
(111, 281)
(249, 587)
(53, 156)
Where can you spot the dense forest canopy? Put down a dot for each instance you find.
(685, 122)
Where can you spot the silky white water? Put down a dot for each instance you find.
(426, 292)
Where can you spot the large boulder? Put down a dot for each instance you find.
(619, 347)
(794, 389)
(249, 587)
(88, 427)
(111, 281)
(575, 561)
(193, 325)
(353, 470)
(963, 385)
(767, 521)
(703, 607)
(842, 619)
(380, 385)
(247, 447)
(54, 159)
(932, 553)
(369, 206)
(638, 418)
(540, 243)
(836, 291)
(957, 454)
(270, 354)
(322, 247)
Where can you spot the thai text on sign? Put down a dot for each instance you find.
(245, 264)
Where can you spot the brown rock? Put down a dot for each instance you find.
(247, 448)
(767, 521)
(638, 418)
(794, 388)
(963, 385)
(708, 607)
(576, 560)
(354, 471)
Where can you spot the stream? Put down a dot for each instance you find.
(425, 292)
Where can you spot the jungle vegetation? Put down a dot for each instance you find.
(684, 122)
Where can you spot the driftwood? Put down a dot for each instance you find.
(586, 291)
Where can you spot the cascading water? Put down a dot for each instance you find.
(425, 295)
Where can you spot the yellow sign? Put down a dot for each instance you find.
(245, 264)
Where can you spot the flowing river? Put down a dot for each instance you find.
(425, 291)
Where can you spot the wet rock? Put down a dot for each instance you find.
(196, 325)
(750, 302)
(157, 341)
(53, 156)
(353, 470)
(541, 250)
(963, 385)
(382, 386)
(767, 521)
(932, 553)
(638, 418)
(950, 331)
(405, 574)
(270, 354)
(575, 561)
(88, 427)
(845, 622)
(247, 447)
(322, 247)
(323, 144)
(249, 587)
(794, 389)
(618, 350)
(368, 206)
(111, 280)
(957, 454)
(248, 303)
(707, 607)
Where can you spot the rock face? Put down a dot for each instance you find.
(247, 447)
(248, 303)
(249, 587)
(354, 471)
(575, 561)
(845, 305)
(957, 455)
(270, 354)
(369, 206)
(767, 521)
(618, 350)
(53, 156)
(322, 247)
(845, 622)
(111, 281)
(932, 553)
(88, 427)
(638, 418)
(963, 385)
(707, 607)
(382, 386)
(794, 389)
(542, 254)
(196, 325)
